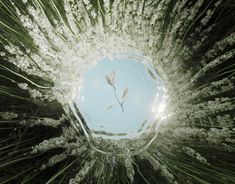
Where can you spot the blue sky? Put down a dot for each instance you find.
(96, 95)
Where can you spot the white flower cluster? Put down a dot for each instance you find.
(215, 88)
(129, 169)
(162, 168)
(83, 172)
(42, 121)
(8, 115)
(54, 160)
(67, 141)
(191, 152)
(219, 135)
(57, 142)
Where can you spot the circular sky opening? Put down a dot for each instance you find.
(120, 98)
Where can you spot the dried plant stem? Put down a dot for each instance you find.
(115, 94)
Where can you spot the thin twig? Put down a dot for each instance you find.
(115, 94)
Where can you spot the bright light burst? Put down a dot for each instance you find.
(45, 47)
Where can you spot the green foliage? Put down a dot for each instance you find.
(43, 44)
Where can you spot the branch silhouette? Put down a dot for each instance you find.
(110, 79)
